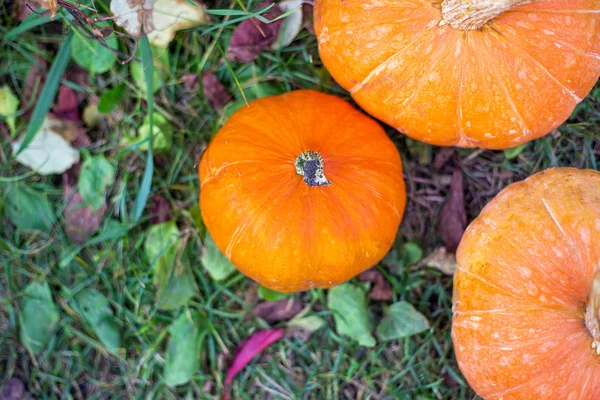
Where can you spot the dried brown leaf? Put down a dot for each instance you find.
(453, 216)
(275, 311)
(252, 36)
(441, 260)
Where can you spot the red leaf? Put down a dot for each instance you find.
(453, 216)
(252, 36)
(247, 350)
(214, 91)
(66, 106)
(81, 221)
(13, 389)
(160, 210)
(274, 311)
(382, 290)
(190, 82)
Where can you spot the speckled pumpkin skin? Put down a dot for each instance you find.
(526, 266)
(275, 228)
(514, 80)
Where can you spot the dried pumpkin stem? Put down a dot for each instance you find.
(473, 14)
(310, 165)
(592, 313)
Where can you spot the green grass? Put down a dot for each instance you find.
(327, 366)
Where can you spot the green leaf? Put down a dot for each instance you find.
(93, 56)
(97, 174)
(215, 262)
(311, 323)
(271, 295)
(111, 99)
(182, 359)
(162, 135)
(197, 217)
(411, 253)
(172, 272)
(95, 310)
(401, 320)
(38, 317)
(406, 255)
(513, 152)
(139, 78)
(28, 208)
(46, 98)
(9, 104)
(348, 303)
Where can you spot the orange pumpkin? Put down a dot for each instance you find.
(527, 290)
(469, 73)
(301, 191)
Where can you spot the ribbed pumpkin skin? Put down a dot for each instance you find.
(275, 228)
(526, 265)
(516, 79)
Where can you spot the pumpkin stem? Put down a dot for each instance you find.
(592, 313)
(310, 165)
(473, 14)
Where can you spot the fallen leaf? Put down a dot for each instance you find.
(160, 211)
(38, 317)
(247, 350)
(169, 260)
(441, 260)
(97, 175)
(135, 16)
(48, 153)
(215, 262)
(79, 77)
(159, 19)
(28, 208)
(303, 328)
(66, 105)
(91, 118)
(182, 359)
(94, 308)
(214, 91)
(348, 303)
(81, 221)
(275, 311)
(9, 104)
(381, 290)
(270, 294)
(401, 320)
(190, 82)
(453, 216)
(442, 157)
(292, 24)
(170, 16)
(307, 17)
(94, 56)
(162, 135)
(111, 99)
(35, 78)
(252, 36)
(13, 389)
